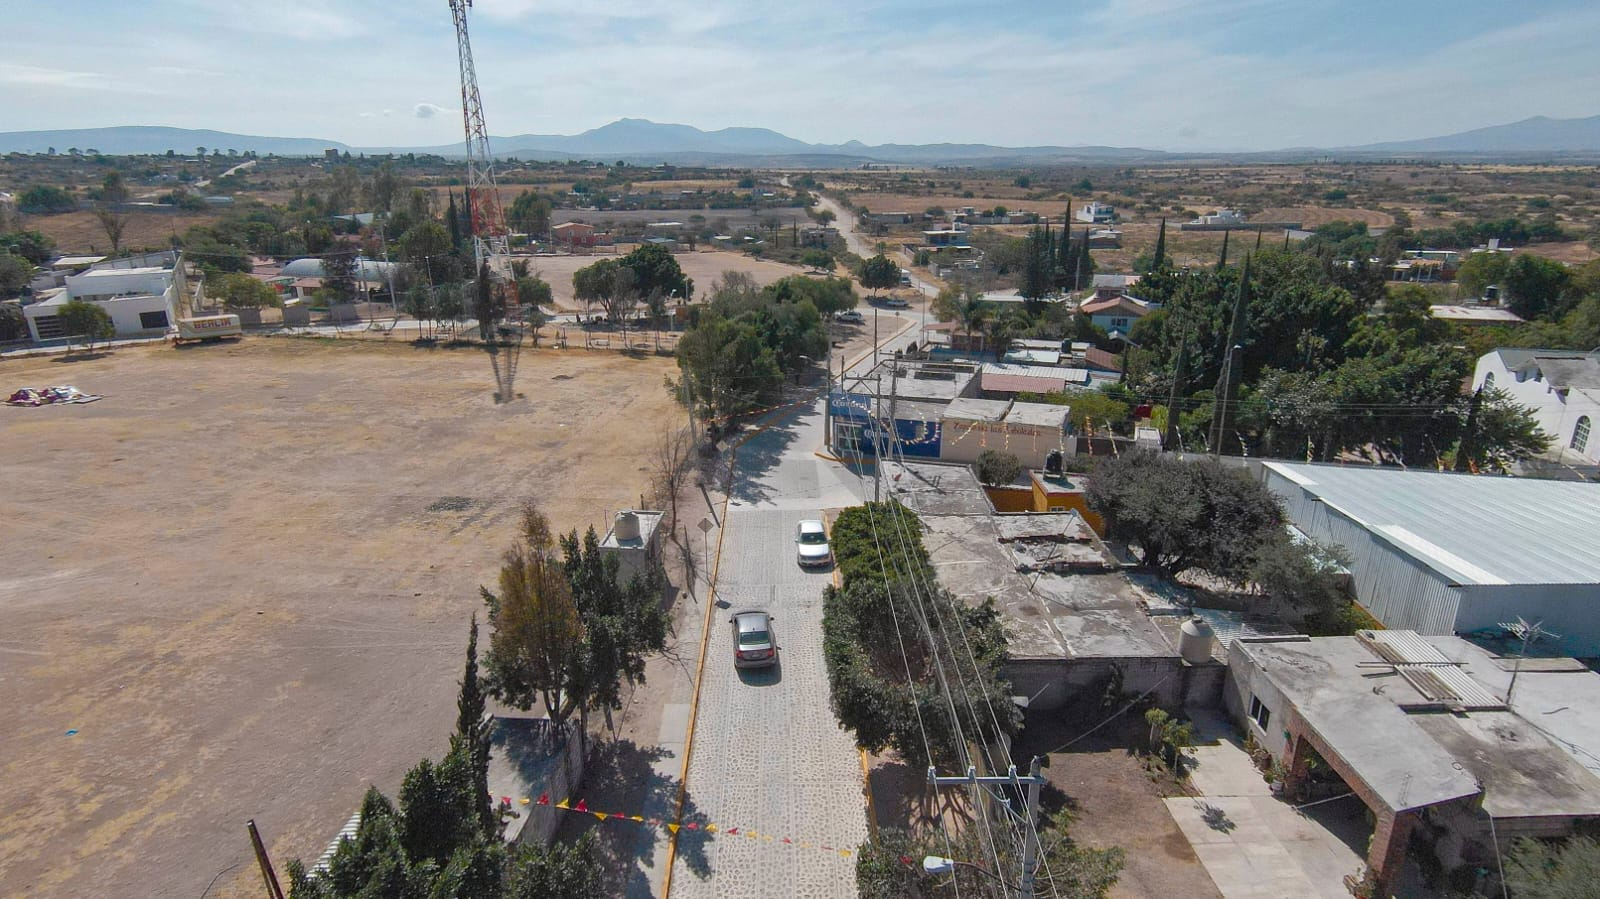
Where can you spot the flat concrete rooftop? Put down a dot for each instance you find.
(1412, 753)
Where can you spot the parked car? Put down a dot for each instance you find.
(811, 544)
(850, 317)
(754, 643)
(894, 303)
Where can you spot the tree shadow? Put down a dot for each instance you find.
(762, 453)
(80, 357)
(622, 783)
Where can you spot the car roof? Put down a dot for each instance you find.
(811, 524)
(751, 620)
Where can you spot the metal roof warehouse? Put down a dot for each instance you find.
(1441, 553)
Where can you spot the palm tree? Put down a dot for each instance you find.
(970, 309)
(1005, 326)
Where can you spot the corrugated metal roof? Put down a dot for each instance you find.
(1473, 529)
(1402, 647)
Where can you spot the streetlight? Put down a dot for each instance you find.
(934, 865)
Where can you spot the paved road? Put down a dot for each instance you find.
(768, 756)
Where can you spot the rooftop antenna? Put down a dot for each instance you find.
(1529, 634)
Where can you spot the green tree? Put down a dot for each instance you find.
(1307, 578)
(1038, 271)
(536, 653)
(996, 468)
(530, 214)
(1568, 869)
(557, 871)
(656, 271)
(534, 291)
(340, 270)
(384, 188)
(1185, 515)
(488, 307)
(1159, 259)
(237, 291)
(473, 727)
(1536, 288)
(730, 370)
(828, 295)
(817, 260)
(878, 273)
(426, 248)
(88, 322)
(15, 273)
(623, 621)
(1480, 270)
(13, 324)
(610, 284)
(46, 199)
(33, 246)
(113, 189)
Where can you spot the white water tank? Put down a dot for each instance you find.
(626, 526)
(1195, 640)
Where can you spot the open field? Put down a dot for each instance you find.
(704, 267)
(244, 578)
(80, 232)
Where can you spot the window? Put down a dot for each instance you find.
(1119, 323)
(1259, 713)
(1580, 434)
(150, 321)
(1488, 380)
(49, 327)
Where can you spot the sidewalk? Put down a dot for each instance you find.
(1253, 844)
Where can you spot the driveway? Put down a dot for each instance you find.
(1255, 845)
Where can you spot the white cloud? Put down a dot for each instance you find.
(39, 76)
(428, 110)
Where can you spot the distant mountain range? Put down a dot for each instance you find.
(643, 141)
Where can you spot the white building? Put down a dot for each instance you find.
(1562, 387)
(1098, 213)
(1221, 217)
(1446, 553)
(142, 301)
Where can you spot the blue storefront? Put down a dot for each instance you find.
(856, 430)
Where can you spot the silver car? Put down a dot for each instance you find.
(754, 643)
(811, 544)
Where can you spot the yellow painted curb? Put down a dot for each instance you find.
(694, 704)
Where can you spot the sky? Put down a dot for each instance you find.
(1160, 74)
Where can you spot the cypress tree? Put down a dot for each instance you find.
(452, 219)
(472, 729)
(1222, 263)
(1161, 247)
(1258, 240)
(1066, 251)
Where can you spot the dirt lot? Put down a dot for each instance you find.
(81, 232)
(1116, 803)
(705, 267)
(243, 580)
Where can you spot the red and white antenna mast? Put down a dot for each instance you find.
(489, 230)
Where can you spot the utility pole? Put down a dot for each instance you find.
(1179, 372)
(270, 877)
(1033, 781)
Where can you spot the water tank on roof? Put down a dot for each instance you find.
(626, 526)
(1195, 641)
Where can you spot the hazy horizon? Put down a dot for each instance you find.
(1230, 75)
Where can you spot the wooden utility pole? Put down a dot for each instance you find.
(269, 876)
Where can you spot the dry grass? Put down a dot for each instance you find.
(80, 232)
(244, 579)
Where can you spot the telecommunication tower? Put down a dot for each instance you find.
(488, 220)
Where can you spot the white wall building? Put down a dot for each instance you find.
(142, 302)
(1562, 387)
(1447, 553)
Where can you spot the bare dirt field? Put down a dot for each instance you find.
(80, 232)
(703, 266)
(238, 586)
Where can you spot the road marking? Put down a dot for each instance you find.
(699, 676)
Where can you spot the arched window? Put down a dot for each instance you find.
(1580, 434)
(1488, 380)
